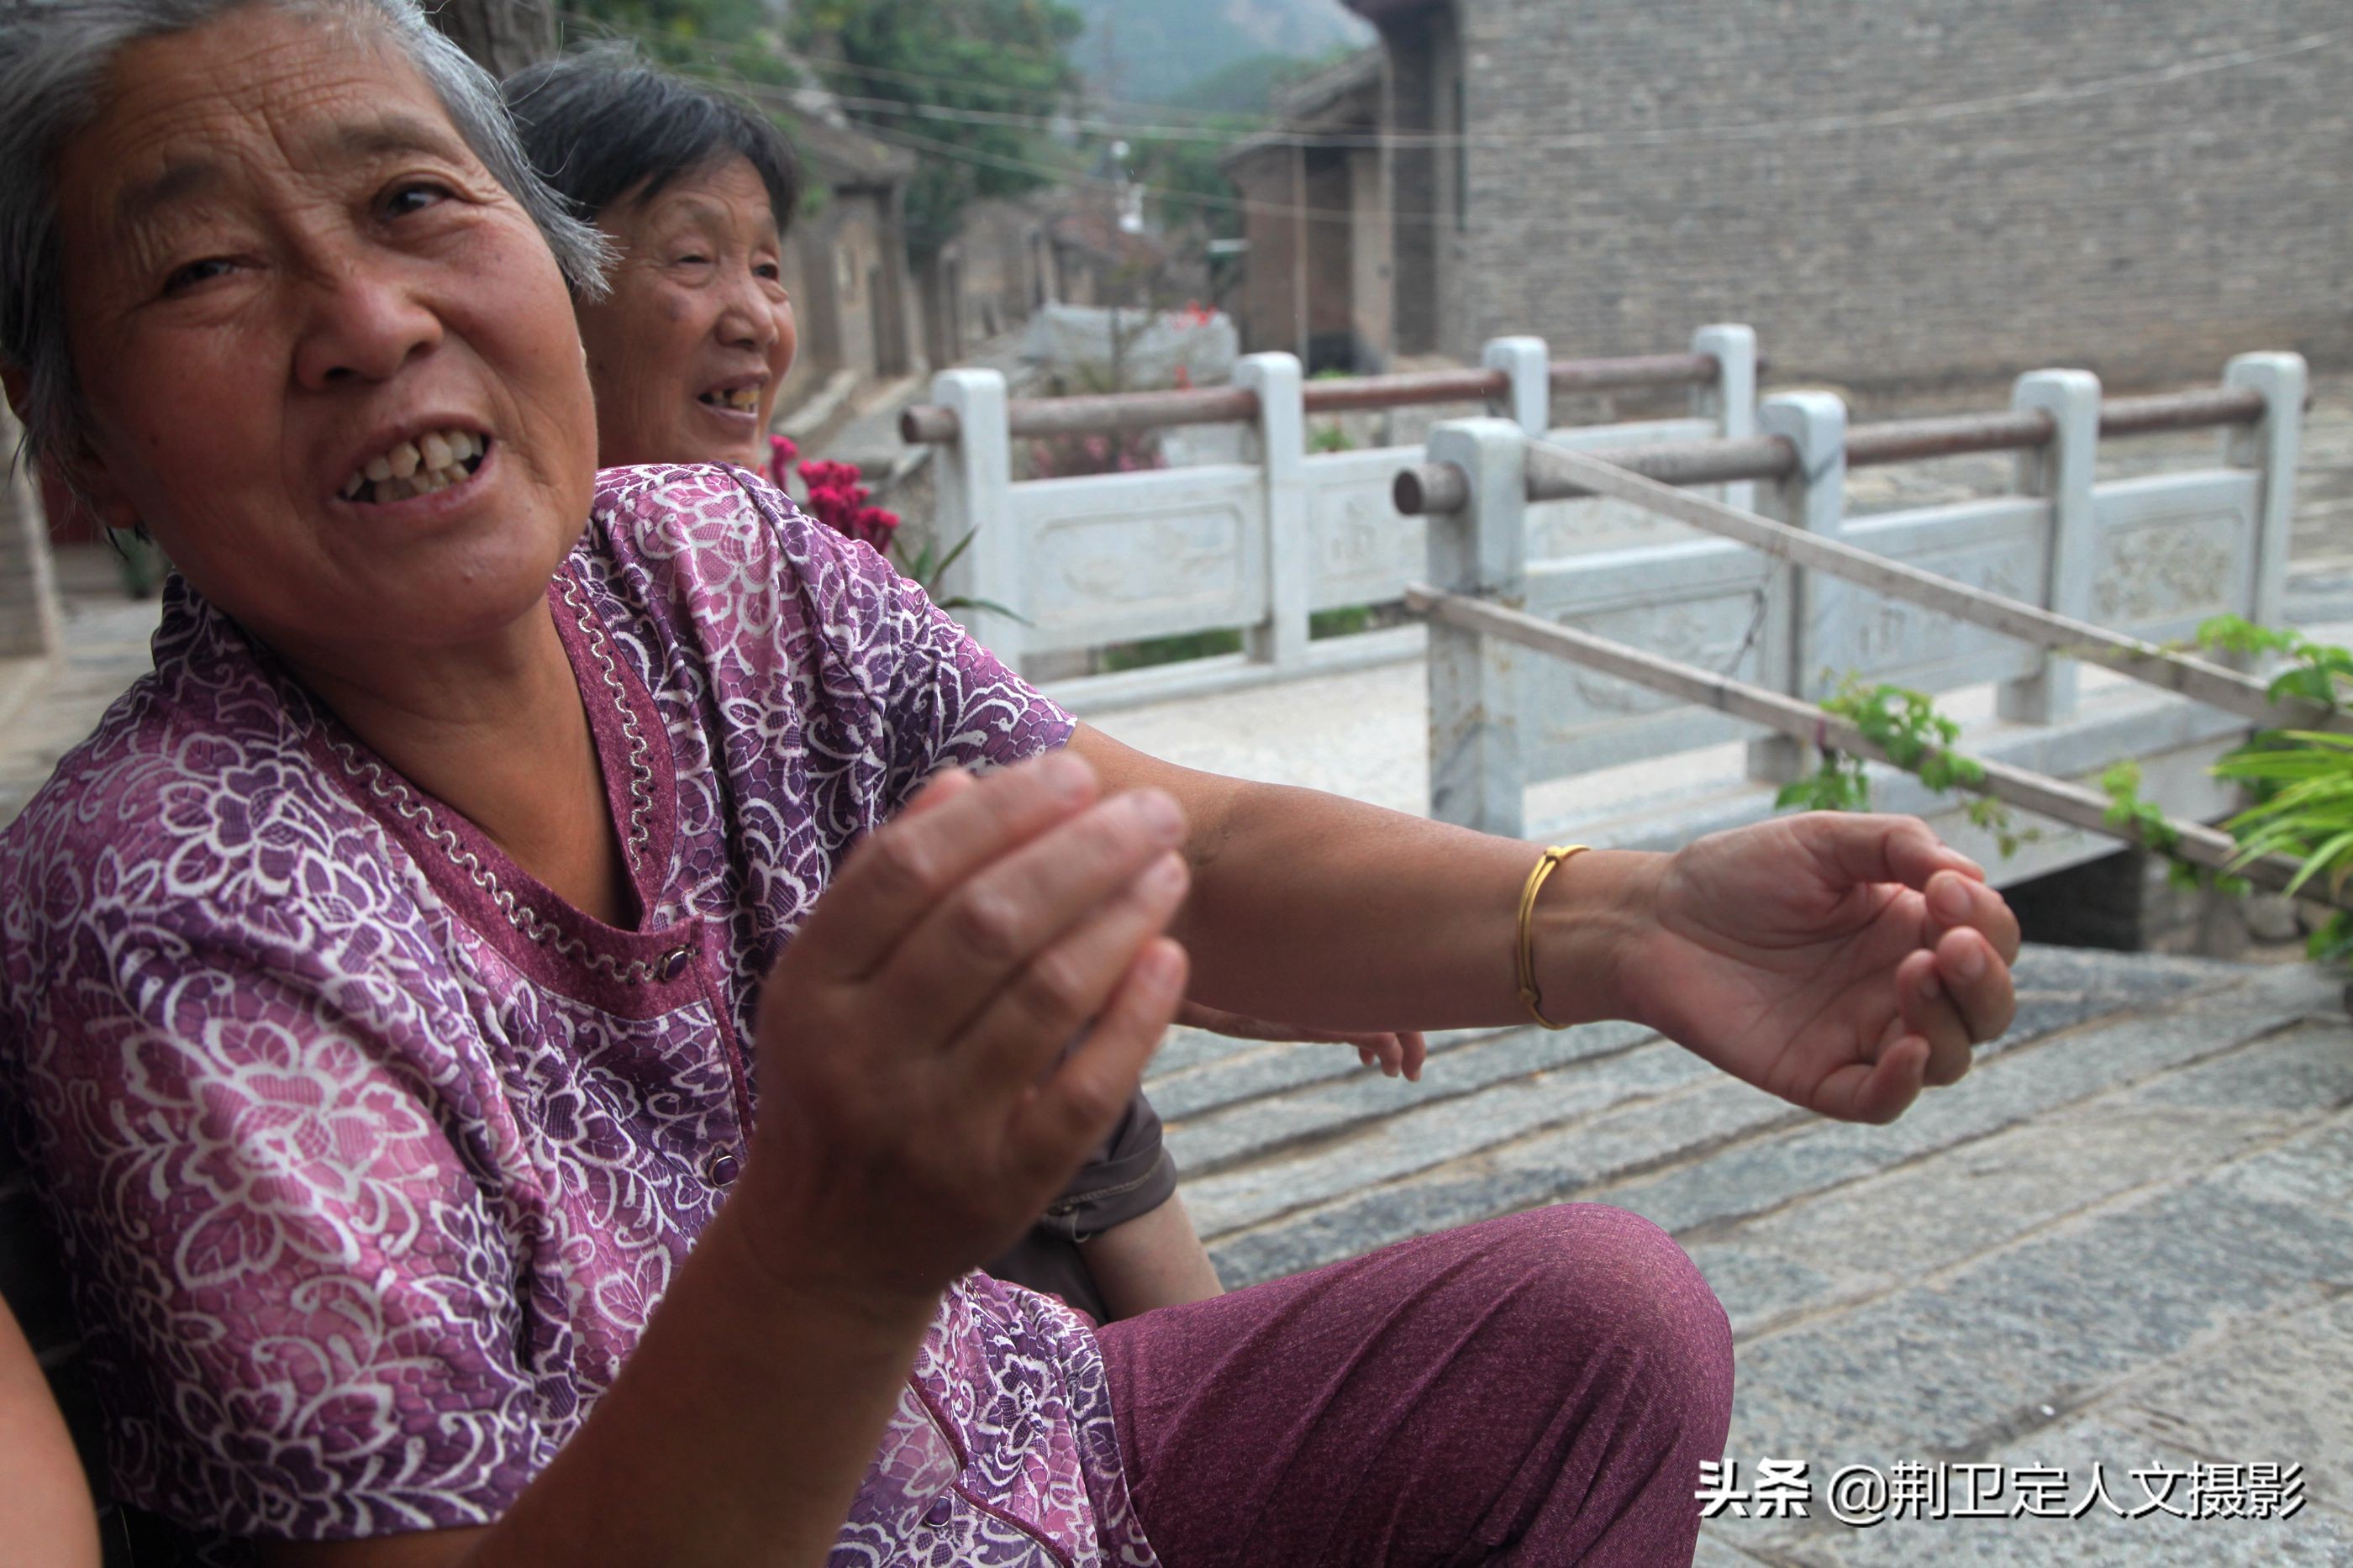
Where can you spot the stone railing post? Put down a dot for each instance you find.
(1282, 435)
(1807, 642)
(2063, 473)
(2270, 446)
(1528, 402)
(1476, 777)
(1731, 402)
(975, 502)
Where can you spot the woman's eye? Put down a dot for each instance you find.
(694, 259)
(414, 196)
(768, 272)
(188, 276)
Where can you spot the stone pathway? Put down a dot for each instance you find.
(2126, 1236)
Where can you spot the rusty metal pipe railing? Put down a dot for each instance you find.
(1437, 487)
(1115, 413)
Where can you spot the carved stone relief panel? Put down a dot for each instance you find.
(2165, 567)
(1101, 572)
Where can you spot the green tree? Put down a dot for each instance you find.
(725, 41)
(980, 57)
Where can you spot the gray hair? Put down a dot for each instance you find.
(53, 56)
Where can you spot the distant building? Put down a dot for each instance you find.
(1315, 277)
(846, 264)
(990, 278)
(1893, 191)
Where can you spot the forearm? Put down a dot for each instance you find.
(736, 1433)
(1153, 1260)
(1331, 913)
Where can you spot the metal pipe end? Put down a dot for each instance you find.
(1430, 488)
(929, 425)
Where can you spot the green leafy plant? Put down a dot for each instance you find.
(1906, 725)
(2318, 672)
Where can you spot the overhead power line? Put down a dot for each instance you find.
(1573, 141)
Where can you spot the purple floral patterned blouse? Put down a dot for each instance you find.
(370, 1156)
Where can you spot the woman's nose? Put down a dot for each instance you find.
(364, 324)
(747, 321)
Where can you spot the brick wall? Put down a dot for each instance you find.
(2146, 231)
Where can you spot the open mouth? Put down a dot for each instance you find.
(735, 399)
(432, 462)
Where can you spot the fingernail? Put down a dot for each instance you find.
(1164, 876)
(1066, 775)
(1971, 963)
(1952, 900)
(1159, 813)
(1929, 987)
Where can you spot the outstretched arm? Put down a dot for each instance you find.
(1842, 962)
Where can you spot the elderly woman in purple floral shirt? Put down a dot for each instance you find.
(529, 1017)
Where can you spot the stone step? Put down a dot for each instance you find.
(2093, 1319)
(1687, 1146)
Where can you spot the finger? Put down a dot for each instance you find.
(1870, 847)
(1003, 917)
(1957, 900)
(1875, 1091)
(1059, 1119)
(904, 869)
(938, 790)
(1415, 1052)
(1054, 996)
(1927, 1009)
(1978, 981)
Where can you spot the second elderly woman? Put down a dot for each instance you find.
(688, 343)
(529, 1017)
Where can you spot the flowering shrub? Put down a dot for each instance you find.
(836, 498)
(839, 500)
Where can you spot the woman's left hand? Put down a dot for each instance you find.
(1841, 961)
(1402, 1052)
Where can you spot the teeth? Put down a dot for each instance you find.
(432, 462)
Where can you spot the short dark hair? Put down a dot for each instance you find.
(605, 124)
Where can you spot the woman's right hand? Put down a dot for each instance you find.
(918, 1108)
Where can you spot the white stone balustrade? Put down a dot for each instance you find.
(2152, 556)
(1260, 545)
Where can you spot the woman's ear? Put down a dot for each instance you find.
(78, 473)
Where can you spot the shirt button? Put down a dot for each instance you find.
(720, 1167)
(675, 965)
(943, 1508)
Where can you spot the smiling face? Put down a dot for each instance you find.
(287, 273)
(688, 348)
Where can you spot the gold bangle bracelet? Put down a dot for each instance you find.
(1528, 955)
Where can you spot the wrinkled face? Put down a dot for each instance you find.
(329, 360)
(689, 349)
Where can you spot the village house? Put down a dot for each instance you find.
(1316, 276)
(1892, 193)
(846, 264)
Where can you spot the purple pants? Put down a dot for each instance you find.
(1538, 1391)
